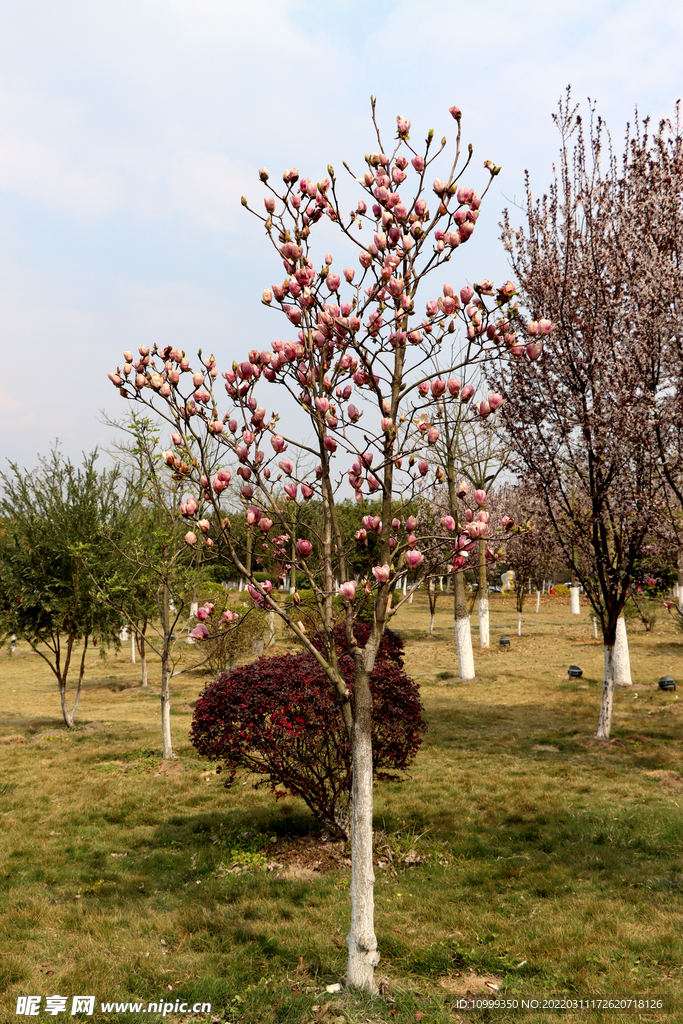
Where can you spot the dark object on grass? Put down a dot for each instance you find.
(504, 641)
(279, 718)
(574, 672)
(667, 683)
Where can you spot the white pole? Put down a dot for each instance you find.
(576, 606)
(132, 646)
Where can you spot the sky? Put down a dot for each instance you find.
(129, 131)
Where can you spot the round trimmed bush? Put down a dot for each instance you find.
(280, 718)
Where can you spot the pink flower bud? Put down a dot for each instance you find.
(414, 558)
(411, 524)
(330, 443)
(439, 186)
(448, 522)
(480, 496)
(267, 296)
(423, 467)
(396, 523)
(191, 538)
(533, 350)
(533, 328)
(290, 491)
(453, 386)
(455, 112)
(433, 435)
(495, 400)
(418, 163)
(484, 409)
(348, 590)
(307, 491)
(304, 547)
(204, 525)
(466, 393)
(469, 515)
(411, 540)
(462, 489)
(265, 524)
(199, 632)
(466, 294)
(381, 572)
(333, 281)
(286, 466)
(438, 387)
(115, 379)
(544, 326)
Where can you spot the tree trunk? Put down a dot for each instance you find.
(483, 601)
(463, 633)
(166, 669)
(622, 660)
(132, 646)
(605, 720)
(680, 580)
(576, 606)
(361, 940)
(143, 653)
(538, 600)
(519, 623)
(166, 708)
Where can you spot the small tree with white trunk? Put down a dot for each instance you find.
(360, 345)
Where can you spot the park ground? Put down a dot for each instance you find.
(521, 860)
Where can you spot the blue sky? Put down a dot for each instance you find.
(129, 130)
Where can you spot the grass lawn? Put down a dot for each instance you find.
(522, 860)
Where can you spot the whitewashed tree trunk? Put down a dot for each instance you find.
(463, 632)
(538, 600)
(143, 660)
(605, 720)
(595, 628)
(483, 609)
(440, 582)
(431, 624)
(622, 659)
(576, 604)
(166, 710)
(519, 623)
(405, 584)
(448, 584)
(132, 647)
(361, 940)
(271, 622)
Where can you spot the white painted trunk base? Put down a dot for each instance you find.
(622, 660)
(538, 600)
(605, 720)
(132, 648)
(361, 940)
(483, 608)
(431, 624)
(595, 628)
(576, 605)
(519, 623)
(463, 642)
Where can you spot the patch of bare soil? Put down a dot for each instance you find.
(307, 856)
(670, 780)
(469, 983)
(13, 739)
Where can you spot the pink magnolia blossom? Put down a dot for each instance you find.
(414, 558)
(229, 616)
(348, 590)
(480, 496)
(191, 538)
(423, 467)
(204, 525)
(286, 466)
(466, 393)
(290, 491)
(304, 547)
(448, 522)
(381, 572)
(199, 632)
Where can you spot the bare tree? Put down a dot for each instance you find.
(586, 422)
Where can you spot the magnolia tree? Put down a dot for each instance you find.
(593, 425)
(360, 346)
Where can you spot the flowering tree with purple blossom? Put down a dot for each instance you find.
(361, 349)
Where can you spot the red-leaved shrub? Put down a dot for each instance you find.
(279, 717)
